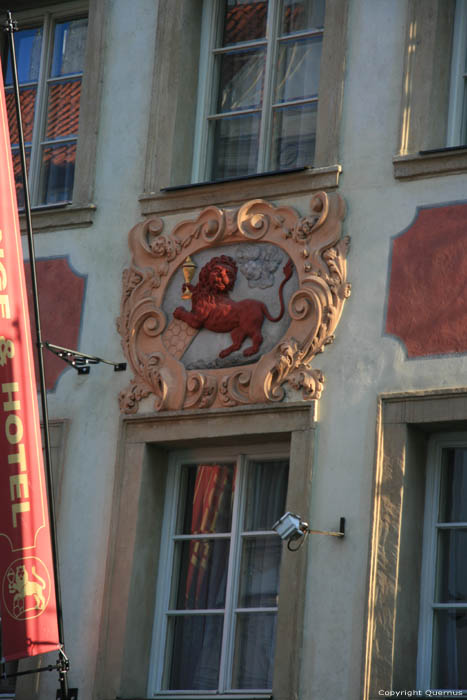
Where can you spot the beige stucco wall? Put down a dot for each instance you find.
(361, 364)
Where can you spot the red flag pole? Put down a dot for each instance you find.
(63, 663)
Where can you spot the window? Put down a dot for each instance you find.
(457, 120)
(218, 596)
(143, 532)
(258, 101)
(7, 685)
(417, 596)
(181, 150)
(433, 116)
(443, 613)
(50, 56)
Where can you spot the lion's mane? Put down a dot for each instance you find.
(204, 283)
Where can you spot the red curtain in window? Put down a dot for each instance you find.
(212, 488)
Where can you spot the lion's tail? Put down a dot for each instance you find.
(288, 272)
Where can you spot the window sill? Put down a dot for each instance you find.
(68, 216)
(236, 191)
(430, 164)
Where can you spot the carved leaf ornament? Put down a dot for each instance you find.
(154, 343)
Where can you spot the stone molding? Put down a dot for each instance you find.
(236, 191)
(415, 166)
(59, 218)
(145, 442)
(405, 421)
(317, 250)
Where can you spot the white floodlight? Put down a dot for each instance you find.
(290, 527)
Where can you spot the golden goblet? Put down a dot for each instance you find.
(188, 268)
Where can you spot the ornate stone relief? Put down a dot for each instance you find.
(155, 339)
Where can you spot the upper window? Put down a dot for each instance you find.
(433, 135)
(457, 119)
(258, 96)
(443, 615)
(50, 56)
(218, 594)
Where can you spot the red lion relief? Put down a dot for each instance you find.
(212, 308)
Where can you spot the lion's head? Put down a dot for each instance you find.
(21, 573)
(218, 275)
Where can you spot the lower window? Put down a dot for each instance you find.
(217, 596)
(443, 617)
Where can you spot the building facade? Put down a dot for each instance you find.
(261, 207)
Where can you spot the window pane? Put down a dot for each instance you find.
(241, 80)
(28, 44)
(244, 20)
(18, 174)
(235, 146)
(259, 573)
(453, 491)
(193, 652)
(300, 15)
(449, 669)
(451, 566)
(298, 69)
(58, 169)
(27, 98)
(8, 685)
(293, 137)
(266, 490)
(207, 496)
(63, 109)
(463, 138)
(255, 639)
(202, 577)
(69, 47)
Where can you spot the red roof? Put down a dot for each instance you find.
(62, 121)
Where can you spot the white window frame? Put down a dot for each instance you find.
(457, 127)
(437, 443)
(47, 17)
(164, 583)
(207, 93)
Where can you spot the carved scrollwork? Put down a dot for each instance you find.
(211, 226)
(129, 398)
(155, 344)
(306, 226)
(152, 372)
(147, 238)
(256, 218)
(233, 388)
(286, 359)
(310, 381)
(201, 390)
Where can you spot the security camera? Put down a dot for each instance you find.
(290, 527)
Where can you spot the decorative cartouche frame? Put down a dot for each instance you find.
(318, 252)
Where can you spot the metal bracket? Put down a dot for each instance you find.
(307, 531)
(79, 360)
(340, 533)
(10, 24)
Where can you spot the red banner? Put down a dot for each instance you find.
(27, 592)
